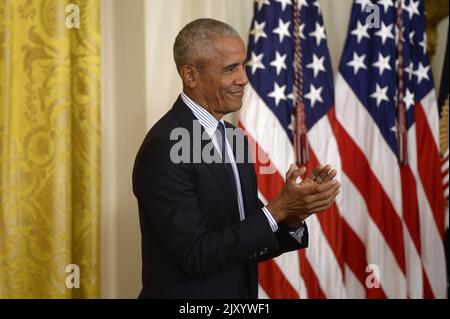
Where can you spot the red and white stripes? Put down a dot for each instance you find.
(383, 236)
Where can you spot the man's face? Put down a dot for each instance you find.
(222, 79)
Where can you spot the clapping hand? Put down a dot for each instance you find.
(300, 199)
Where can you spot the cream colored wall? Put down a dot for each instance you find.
(123, 127)
(438, 58)
(161, 72)
(139, 85)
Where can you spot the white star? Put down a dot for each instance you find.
(398, 34)
(256, 62)
(422, 73)
(380, 94)
(258, 30)
(278, 93)
(412, 9)
(279, 62)
(282, 30)
(316, 3)
(386, 4)
(423, 43)
(385, 32)
(302, 26)
(394, 128)
(302, 3)
(410, 70)
(291, 125)
(408, 99)
(316, 64)
(260, 3)
(291, 96)
(360, 31)
(364, 3)
(357, 62)
(284, 3)
(411, 37)
(319, 33)
(382, 63)
(314, 95)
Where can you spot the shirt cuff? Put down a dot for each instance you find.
(272, 222)
(298, 234)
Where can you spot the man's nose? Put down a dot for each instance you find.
(242, 78)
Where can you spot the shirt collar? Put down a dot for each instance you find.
(206, 119)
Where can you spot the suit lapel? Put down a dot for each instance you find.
(223, 173)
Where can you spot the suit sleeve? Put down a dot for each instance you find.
(169, 205)
(286, 242)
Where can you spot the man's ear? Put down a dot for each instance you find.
(188, 75)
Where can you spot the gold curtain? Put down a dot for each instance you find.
(49, 148)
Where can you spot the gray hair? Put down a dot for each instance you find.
(193, 43)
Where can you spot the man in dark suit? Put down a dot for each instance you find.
(203, 227)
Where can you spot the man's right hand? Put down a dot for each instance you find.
(314, 194)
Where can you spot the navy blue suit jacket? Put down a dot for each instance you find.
(193, 242)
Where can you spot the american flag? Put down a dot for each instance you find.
(268, 117)
(383, 237)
